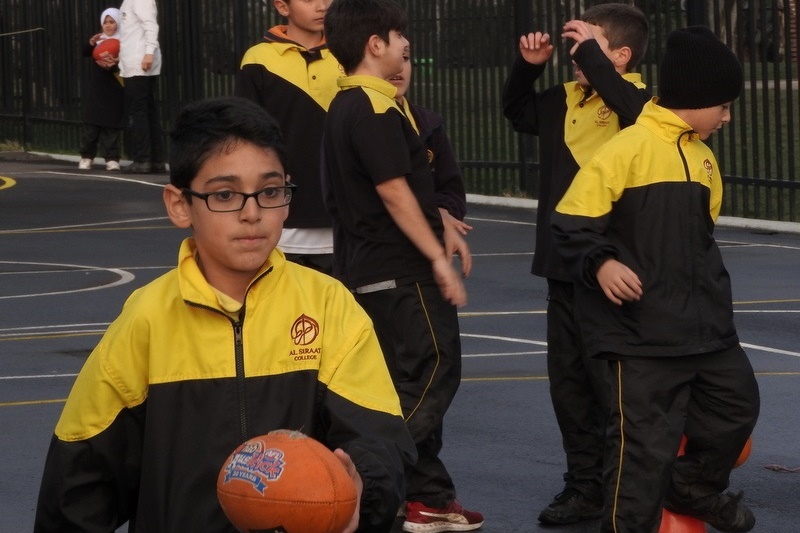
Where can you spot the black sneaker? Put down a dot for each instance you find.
(728, 514)
(137, 168)
(159, 168)
(569, 507)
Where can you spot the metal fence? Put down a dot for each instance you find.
(462, 50)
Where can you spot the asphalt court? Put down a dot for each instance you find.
(74, 244)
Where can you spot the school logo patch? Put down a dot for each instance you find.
(709, 167)
(305, 330)
(603, 113)
(255, 465)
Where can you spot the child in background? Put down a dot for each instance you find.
(572, 120)
(636, 231)
(448, 182)
(103, 100)
(292, 75)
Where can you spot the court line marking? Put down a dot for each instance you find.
(81, 226)
(124, 278)
(102, 176)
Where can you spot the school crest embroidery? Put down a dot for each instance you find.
(305, 330)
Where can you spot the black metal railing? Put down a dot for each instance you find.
(461, 49)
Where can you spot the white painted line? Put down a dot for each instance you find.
(507, 339)
(124, 277)
(103, 176)
(769, 350)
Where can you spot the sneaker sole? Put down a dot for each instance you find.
(438, 527)
(548, 520)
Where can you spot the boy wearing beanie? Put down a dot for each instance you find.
(635, 229)
(571, 120)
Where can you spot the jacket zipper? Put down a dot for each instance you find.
(241, 387)
(691, 237)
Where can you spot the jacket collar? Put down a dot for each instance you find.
(194, 287)
(664, 123)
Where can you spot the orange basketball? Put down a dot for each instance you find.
(106, 46)
(286, 481)
(745, 454)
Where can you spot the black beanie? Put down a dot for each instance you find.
(697, 70)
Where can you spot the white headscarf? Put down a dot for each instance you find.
(114, 13)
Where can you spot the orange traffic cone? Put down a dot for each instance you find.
(676, 523)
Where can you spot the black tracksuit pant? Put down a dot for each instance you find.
(144, 120)
(711, 398)
(579, 387)
(419, 334)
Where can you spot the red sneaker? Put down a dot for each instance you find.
(422, 519)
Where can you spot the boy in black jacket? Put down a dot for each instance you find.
(635, 230)
(572, 120)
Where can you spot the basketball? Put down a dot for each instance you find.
(286, 481)
(106, 46)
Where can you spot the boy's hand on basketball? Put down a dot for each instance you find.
(536, 47)
(579, 31)
(454, 243)
(619, 283)
(449, 281)
(351, 469)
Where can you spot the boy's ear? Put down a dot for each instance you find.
(282, 7)
(621, 57)
(375, 45)
(178, 208)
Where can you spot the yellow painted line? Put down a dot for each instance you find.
(32, 402)
(6, 182)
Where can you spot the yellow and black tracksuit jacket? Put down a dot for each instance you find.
(571, 122)
(649, 198)
(176, 384)
(295, 85)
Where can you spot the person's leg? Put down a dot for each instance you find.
(136, 101)
(721, 414)
(89, 140)
(155, 135)
(648, 404)
(420, 341)
(109, 144)
(579, 387)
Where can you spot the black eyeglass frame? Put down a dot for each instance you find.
(288, 193)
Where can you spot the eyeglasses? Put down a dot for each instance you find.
(227, 201)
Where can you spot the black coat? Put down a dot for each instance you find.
(103, 95)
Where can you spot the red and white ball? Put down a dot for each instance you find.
(286, 481)
(105, 47)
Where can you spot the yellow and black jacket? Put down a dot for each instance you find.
(176, 384)
(571, 122)
(649, 198)
(295, 85)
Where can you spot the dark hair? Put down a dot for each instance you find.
(623, 25)
(350, 23)
(205, 128)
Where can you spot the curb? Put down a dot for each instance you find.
(761, 226)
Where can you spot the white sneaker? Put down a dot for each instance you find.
(112, 165)
(85, 164)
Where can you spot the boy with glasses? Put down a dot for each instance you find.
(233, 343)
